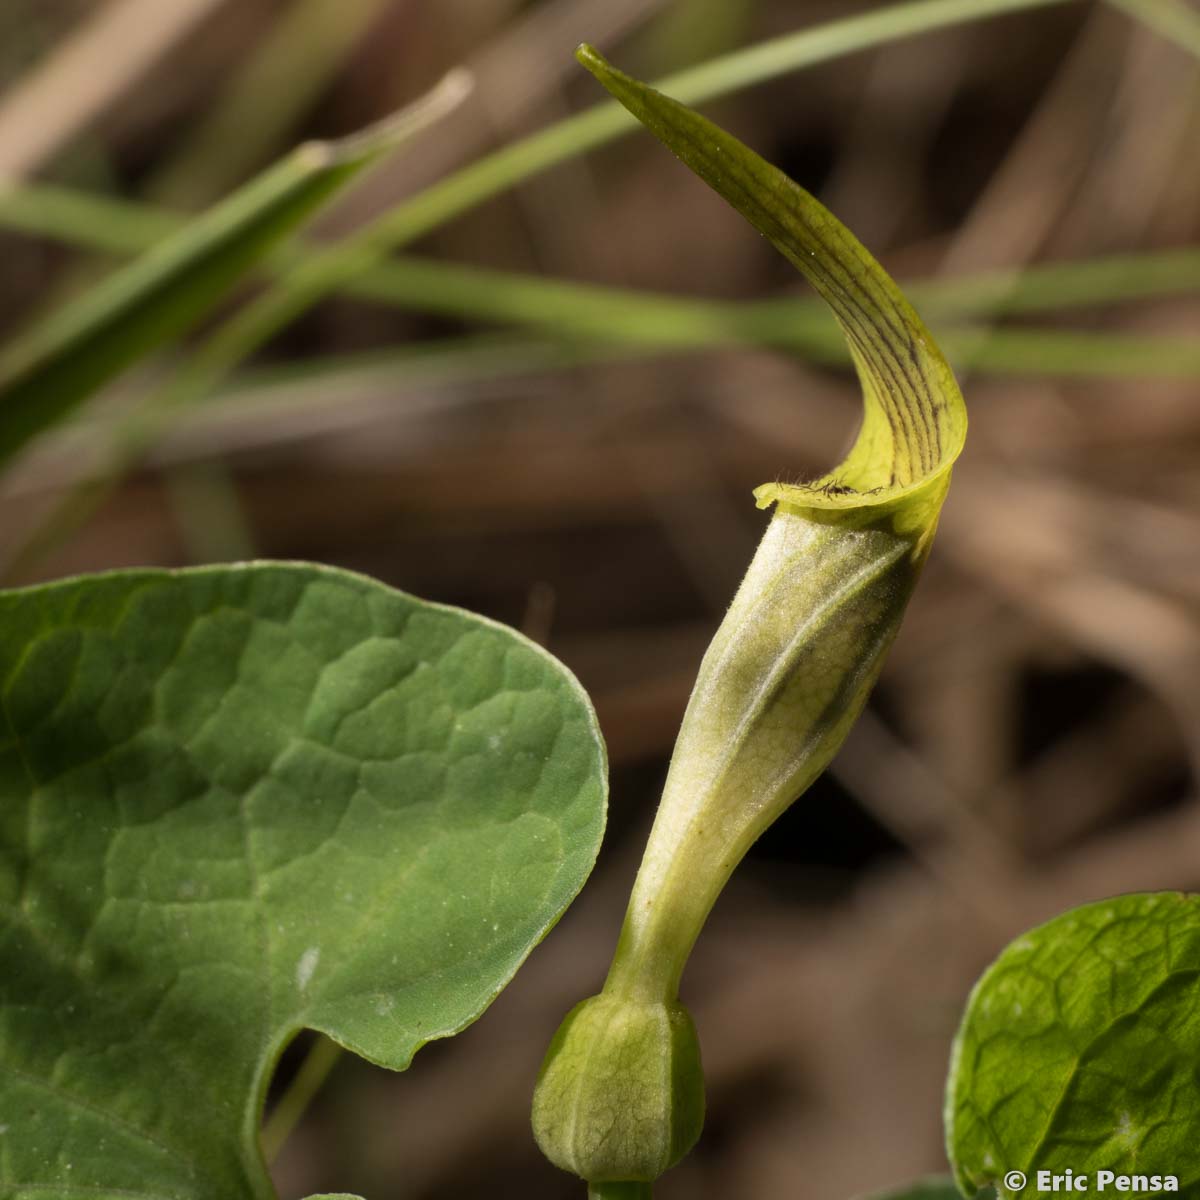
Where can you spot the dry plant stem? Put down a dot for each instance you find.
(1026, 195)
(516, 72)
(95, 67)
(302, 52)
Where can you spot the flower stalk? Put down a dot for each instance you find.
(621, 1097)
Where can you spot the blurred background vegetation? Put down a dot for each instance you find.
(486, 428)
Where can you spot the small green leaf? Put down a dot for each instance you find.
(1079, 1051)
(76, 350)
(239, 802)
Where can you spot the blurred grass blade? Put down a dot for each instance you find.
(260, 406)
(123, 227)
(89, 220)
(62, 361)
(300, 54)
(1172, 19)
(1071, 354)
(638, 322)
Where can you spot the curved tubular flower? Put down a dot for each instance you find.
(620, 1097)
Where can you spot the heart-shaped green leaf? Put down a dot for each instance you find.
(242, 801)
(1079, 1050)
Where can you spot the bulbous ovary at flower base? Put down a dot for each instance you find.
(621, 1093)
